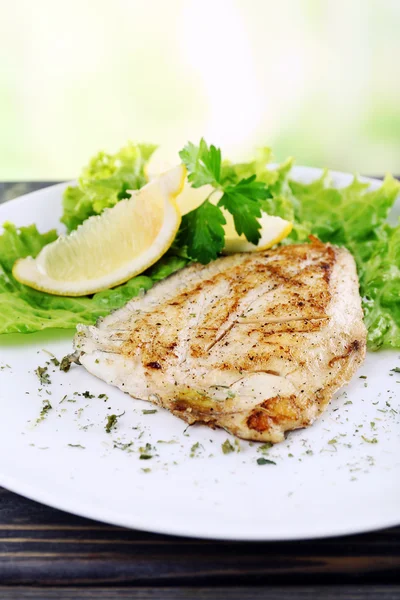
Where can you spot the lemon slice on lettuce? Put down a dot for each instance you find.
(108, 249)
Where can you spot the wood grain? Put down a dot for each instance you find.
(214, 593)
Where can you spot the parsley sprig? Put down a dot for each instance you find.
(201, 230)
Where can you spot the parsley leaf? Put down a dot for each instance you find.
(202, 233)
(243, 202)
(202, 162)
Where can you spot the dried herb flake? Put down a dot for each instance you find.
(43, 375)
(45, 409)
(65, 364)
(265, 461)
(373, 441)
(227, 447)
(112, 422)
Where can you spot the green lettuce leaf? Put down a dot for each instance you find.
(105, 181)
(344, 215)
(168, 264)
(380, 288)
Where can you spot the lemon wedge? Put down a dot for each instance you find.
(162, 159)
(273, 230)
(109, 249)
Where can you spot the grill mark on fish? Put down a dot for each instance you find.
(281, 329)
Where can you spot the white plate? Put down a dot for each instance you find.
(318, 487)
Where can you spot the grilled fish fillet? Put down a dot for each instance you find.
(254, 343)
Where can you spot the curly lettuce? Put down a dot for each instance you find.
(105, 181)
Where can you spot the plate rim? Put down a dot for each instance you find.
(91, 513)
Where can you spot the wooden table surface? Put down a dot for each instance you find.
(45, 553)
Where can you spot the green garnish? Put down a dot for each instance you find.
(112, 422)
(88, 395)
(264, 447)
(396, 370)
(122, 445)
(77, 446)
(145, 452)
(227, 447)
(55, 361)
(373, 441)
(65, 364)
(43, 375)
(46, 406)
(203, 163)
(147, 411)
(202, 230)
(195, 449)
(265, 461)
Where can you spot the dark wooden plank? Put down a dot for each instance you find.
(214, 593)
(42, 545)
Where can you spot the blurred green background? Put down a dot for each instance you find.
(316, 79)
